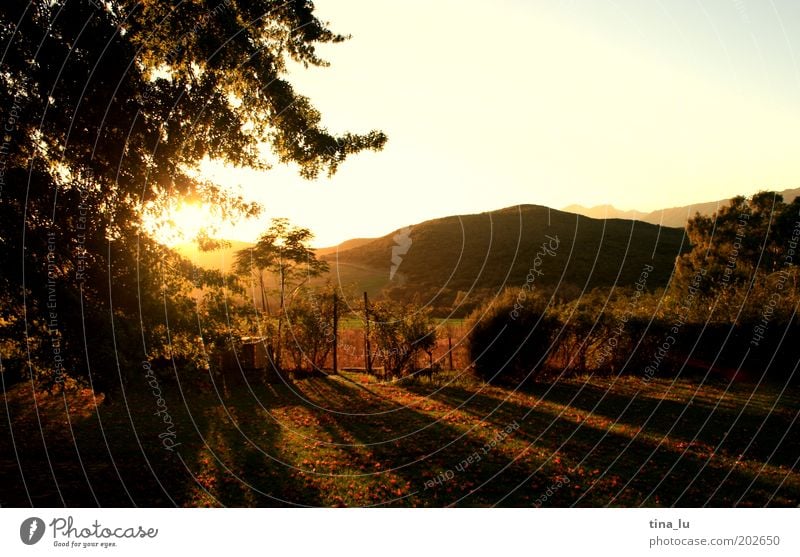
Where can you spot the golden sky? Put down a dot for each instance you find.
(641, 104)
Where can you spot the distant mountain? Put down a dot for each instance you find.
(446, 261)
(347, 244)
(674, 216)
(604, 212)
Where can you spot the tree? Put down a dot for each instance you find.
(109, 108)
(283, 250)
(730, 246)
(585, 329)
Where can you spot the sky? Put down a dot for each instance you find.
(642, 104)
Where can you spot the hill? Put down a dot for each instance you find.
(347, 244)
(674, 216)
(452, 262)
(605, 212)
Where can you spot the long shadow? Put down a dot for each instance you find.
(249, 466)
(75, 469)
(405, 439)
(143, 471)
(699, 421)
(617, 457)
(418, 448)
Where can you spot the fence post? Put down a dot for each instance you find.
(335, 332)
(450, 348)
(367, 359)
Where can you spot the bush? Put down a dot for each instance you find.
(399, 335)
(309, 329)
(510, 337)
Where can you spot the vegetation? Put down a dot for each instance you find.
(624, 363)
(456, 263)
(113, 107)
(350, 440)
(309, 328)
(511, 337)
(730, 309)
(401, 334)
(284, 251)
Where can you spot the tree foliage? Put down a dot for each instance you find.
(741, 240)
(309, 328)
(109, 107)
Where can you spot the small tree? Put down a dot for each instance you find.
(284, 251)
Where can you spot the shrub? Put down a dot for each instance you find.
(399, 334)
(511, 336)
(309, 329)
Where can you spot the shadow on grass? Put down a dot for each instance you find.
(328, 441)
(131, 466)
(771, 435)
(662, 472)
(418, 447)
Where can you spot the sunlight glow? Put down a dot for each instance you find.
(643, 105)
(181, 223)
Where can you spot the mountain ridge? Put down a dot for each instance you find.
(676, 217)
(476, 255)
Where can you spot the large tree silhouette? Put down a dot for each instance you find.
(108, 108)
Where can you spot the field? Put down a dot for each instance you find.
(350, 440)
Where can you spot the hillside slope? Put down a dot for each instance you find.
(442, 260)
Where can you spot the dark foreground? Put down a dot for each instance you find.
(342, 441)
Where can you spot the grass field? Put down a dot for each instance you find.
(349, 440)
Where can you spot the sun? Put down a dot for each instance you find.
(181, 223)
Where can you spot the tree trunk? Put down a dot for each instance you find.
(264, 300)
(279, 352)
(335, 333)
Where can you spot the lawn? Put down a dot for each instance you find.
(350, 440)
